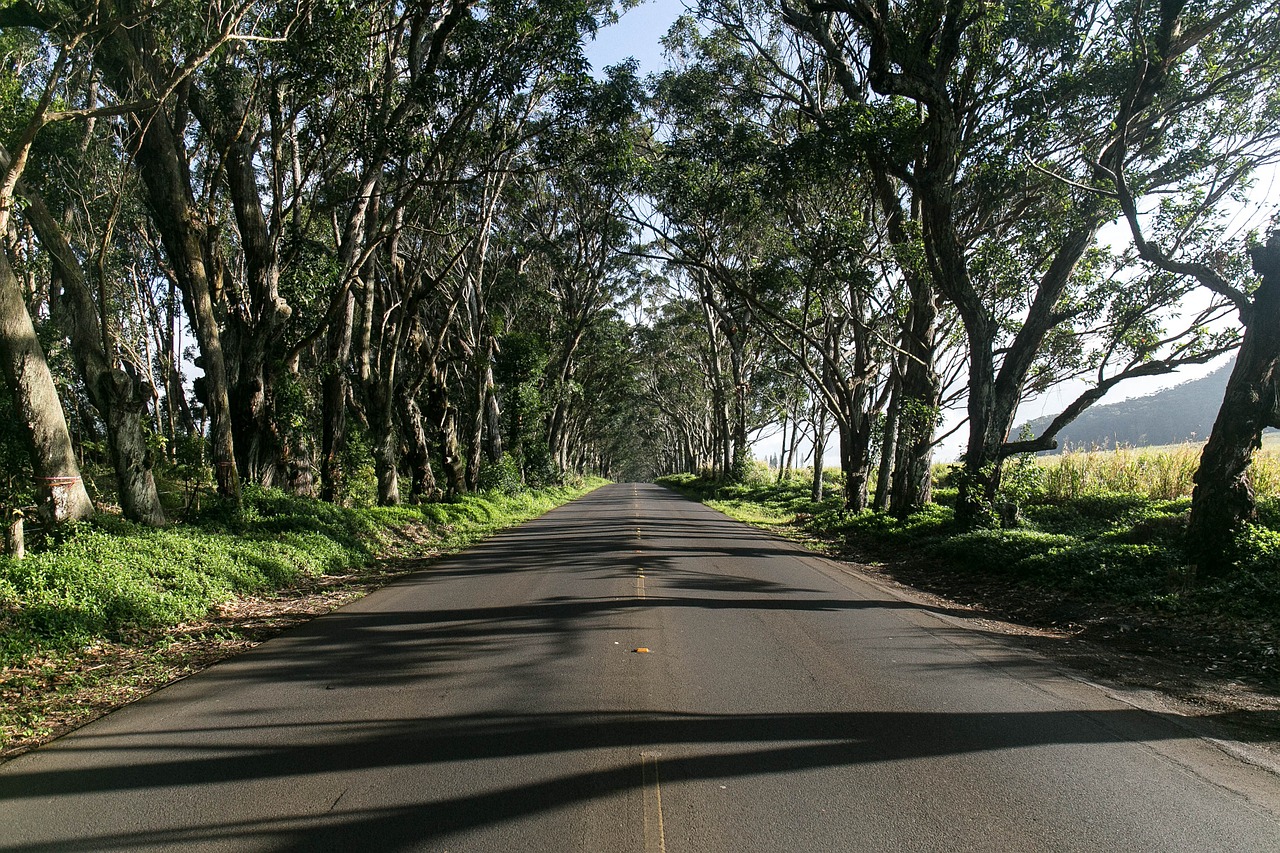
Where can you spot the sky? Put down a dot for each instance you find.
(638, 35)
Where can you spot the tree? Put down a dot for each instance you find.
(59, 486)
(1199, 104)
(1224, 499)
(120, 395)
(1008, 103)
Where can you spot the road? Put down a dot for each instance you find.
(496, 702)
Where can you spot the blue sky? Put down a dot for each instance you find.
(637, 35)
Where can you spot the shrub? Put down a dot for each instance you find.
(998, 550)
(502, 476)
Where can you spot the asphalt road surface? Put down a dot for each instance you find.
(497, 702)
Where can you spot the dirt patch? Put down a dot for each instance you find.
(1221, 673)
(54, 694)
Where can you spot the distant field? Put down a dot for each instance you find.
(1161, 473)
(1270, 442)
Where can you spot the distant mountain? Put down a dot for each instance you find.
(1182, 413)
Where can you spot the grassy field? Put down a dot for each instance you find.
(1159, 473)
(112, 610)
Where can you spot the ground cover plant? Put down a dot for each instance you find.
(1096, 548)
(110, 609)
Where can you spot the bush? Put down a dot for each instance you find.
(540, 470)
(999, 551)
(502, 476)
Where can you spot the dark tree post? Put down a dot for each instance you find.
(1224, 498)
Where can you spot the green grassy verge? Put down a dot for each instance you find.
(115, 609)
(1069, 562)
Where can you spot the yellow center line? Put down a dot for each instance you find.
(654, 835)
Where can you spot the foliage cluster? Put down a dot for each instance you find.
(365, 246)
(876, 216)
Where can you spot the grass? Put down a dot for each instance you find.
(110, 610)
(1159, 473)
(1117, 547)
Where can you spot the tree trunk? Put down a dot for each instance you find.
(819, 449)
(451, 452)
(299, 466)
(120, 397)
(163, 170)
(919, 404)
(888, 445)
(493, 418)
(558, 422)
(475, 438)
(912, 486)
(793, 448)
(423, 481)
(1224, 498)
(254, 330)
(855, 462)
(386, 457)
(446, 418)
(334, 389)
(382, 429)
(386, 442)
(782, 453)
(60, 489)
(178, 410)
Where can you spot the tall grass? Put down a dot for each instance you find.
(1157, 473)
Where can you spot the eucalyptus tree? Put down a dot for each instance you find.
(774, 230)
(1224, 498)
(671, 355)
(65, 87)
(575, 211)
(145, 79)
(42, 421)
(427, 275)
(333, 109)
(117, 386)
(1200, 83)
(712, 223)
(1005, 105)
(833, 128)
(59, 485)
(612, 430)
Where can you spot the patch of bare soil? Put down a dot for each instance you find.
(1218, 672)
(54, 694)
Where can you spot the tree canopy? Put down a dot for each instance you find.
(389, 251)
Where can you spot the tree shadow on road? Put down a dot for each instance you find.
(693, 747)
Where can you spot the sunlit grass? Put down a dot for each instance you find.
(108, 578)
(1158, 473)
